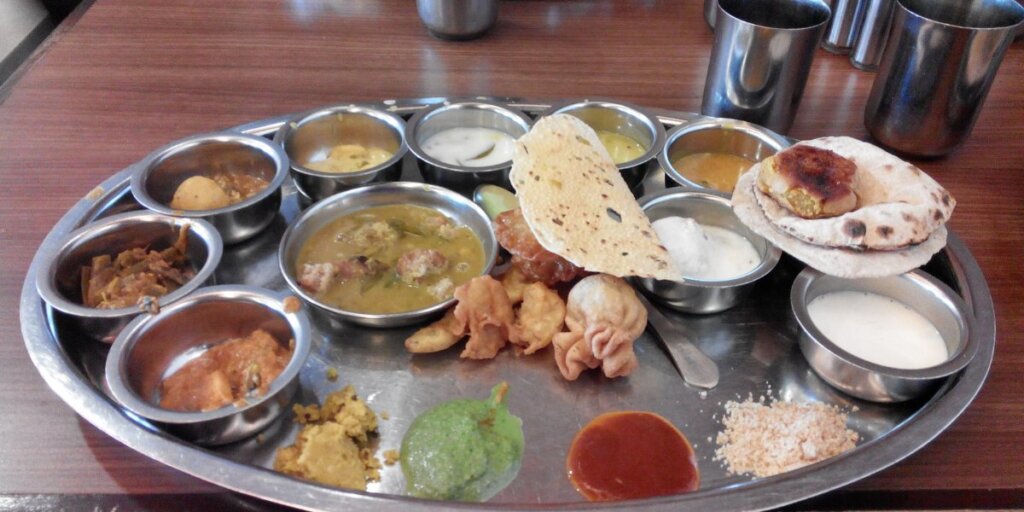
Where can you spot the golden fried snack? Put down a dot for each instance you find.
(535, 262)
(573, 355)
(515, 283)
(540, 318)
(809, 181)
(604, 317)
(437, 336)
(485, 311)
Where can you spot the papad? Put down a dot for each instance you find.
(579, 207)
(898, 205)
(835, 261)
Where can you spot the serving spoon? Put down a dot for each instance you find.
(696, 368)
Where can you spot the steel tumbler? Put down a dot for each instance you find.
(938, 65)
(710, 8)
(874, 29)
(843, 25)
(761, 58)
(458, 20)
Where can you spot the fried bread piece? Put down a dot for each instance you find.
(809, 181)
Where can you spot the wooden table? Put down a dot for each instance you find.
(125, 76)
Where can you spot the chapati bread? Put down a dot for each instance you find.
(835, 261)
(898, 205)
(578, 206)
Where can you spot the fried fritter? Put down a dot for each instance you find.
(514, 282)
(486, 312)
(539, 319)
(437, 336)
(809, 181)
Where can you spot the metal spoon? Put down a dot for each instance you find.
(696, 368)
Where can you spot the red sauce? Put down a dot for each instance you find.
(630, 455)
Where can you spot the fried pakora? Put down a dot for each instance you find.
(540, 317)
(437, 336)
(604, 317)
(514, 282)
(484, 310)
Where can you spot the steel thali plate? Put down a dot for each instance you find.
(753, 344)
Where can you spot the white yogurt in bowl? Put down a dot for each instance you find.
(470, 146)
(706, 253)
(878, 329)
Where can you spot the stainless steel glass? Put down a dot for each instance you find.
(710, 9)
(761, 58)
(938, 65)
(844, 25)
(874, 32)
(865, 379)
(158, 177)
(458, 19)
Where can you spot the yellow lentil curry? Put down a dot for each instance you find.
(388, 259)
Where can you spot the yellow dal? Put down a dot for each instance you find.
(714, 170)
(350, 158)
(620, 147)
(386, 293)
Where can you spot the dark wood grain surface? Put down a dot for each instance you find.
(130, 75)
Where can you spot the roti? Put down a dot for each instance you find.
(579, 207)
(898, 205)
(835, 261)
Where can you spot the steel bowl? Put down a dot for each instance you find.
(152, 347)
(453, 205)
(59, 283)
(695, 295)
(153, 184)
(729, 136)
(864, 379)
(624, 119)
(475, 114)
(310, 136)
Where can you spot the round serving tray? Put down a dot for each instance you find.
(753, 344)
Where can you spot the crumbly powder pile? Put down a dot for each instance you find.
(768, 439)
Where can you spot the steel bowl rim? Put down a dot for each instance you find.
(115, 371)
(47, 289)
(424, 115)
(295, 124)
(634, 111)
(957, 361)
(772, 139)
(772, 254)
(403, 187)
(140, 177)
